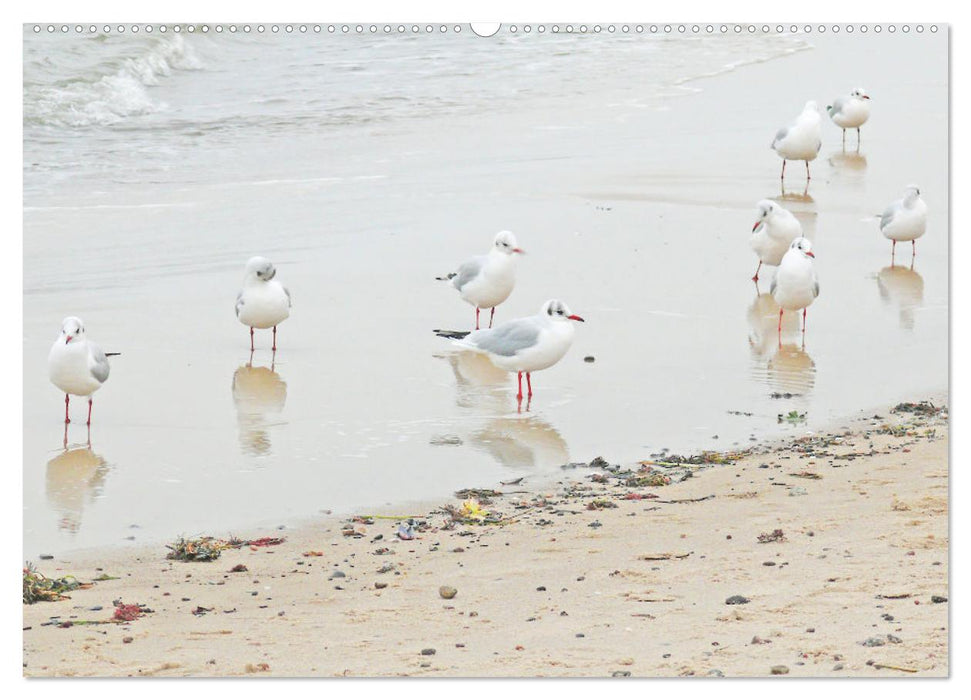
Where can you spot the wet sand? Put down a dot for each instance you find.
(579, 579)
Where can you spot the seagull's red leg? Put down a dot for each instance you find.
(492, 316)
(67, 403)
(913, 249)
(274, 338)
(807, 172)
(756, 278)
(251, 348)
(804, 322)
(529, 385)
(520, 394)
(90, 403)
(477, 318)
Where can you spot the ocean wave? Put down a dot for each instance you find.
(117, 90)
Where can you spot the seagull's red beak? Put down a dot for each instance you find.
(68, 340)
(519, 250)
(810, 254)
(866, 97)
(574, 317)
(757, 224)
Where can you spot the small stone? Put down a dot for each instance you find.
(95, 608)
(425, 664)
(447, 592)
(338, 574)
(838, 667)
(589, 358)
(779, 670)
(768, 563)
(428, 652)
(580, 635)
(380, 584)
(737, 600)
(541, 588)
(620, 674)
(127, 640)
(938, 599)
(873, 642)
(715, 673)
(810, 629)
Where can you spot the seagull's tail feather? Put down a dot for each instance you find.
(112, 354)
(447, 277)
(451, 335)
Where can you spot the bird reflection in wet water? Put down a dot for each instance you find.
(75, 477)
(259, 394)
(786, 367)
(902, 287)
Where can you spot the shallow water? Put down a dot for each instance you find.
(366, 167)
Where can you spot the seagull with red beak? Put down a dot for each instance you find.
(850, 112)
(486, 281)
(524, 345)
(774, 231)
(795, 285)
(76, 365)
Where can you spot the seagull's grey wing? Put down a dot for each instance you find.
(468, 271)
(287, 292)
(889, 214)
(779, 135)
(815, 288)
(772, 286)
(837, 106)
(98, 363)
(508, 338)
(239, 303)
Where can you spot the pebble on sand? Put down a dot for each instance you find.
(737, 600)
(779, 670)
(447, 592)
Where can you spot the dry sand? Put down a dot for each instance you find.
(563, 588)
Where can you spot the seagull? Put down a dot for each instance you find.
(800, 140)
(905, 220)
(76, 365)
(263, 302)
(795, 285)
(523, 345)
(772, 234)
(850, 112)
(487, 280)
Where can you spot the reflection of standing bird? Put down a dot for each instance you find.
(801, 140)
(263, 302)
(763, 314)
(905, 220)
(257, 392)
(74, 476)
(486, 281)
(903, 287)
(524, 344)
(76, 365)
(795, 285)
(772, 233)
(791, 370)
(850, 112)
(522, 442)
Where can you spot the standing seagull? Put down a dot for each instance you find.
(76, 365)
(905, 220)
(795, 285)
(487, 280)
(850, 112)
(524, 344)
(801, 140)
(772, 234)
(263, 302)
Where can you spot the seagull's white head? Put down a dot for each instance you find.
(72, 330)
(505, 243)
(558, 311)
(911, 191)
(860, 94)
(804, 246)
(260, 268)
(765, 210)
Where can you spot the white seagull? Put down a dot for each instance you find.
(850, 112)
(801, 140)
(524, 345)
(76, 365)
(795, 285)
(905, 220)
(486, 281)
(773, 232)
(263, 302)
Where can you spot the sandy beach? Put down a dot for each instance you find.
(819, 555)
